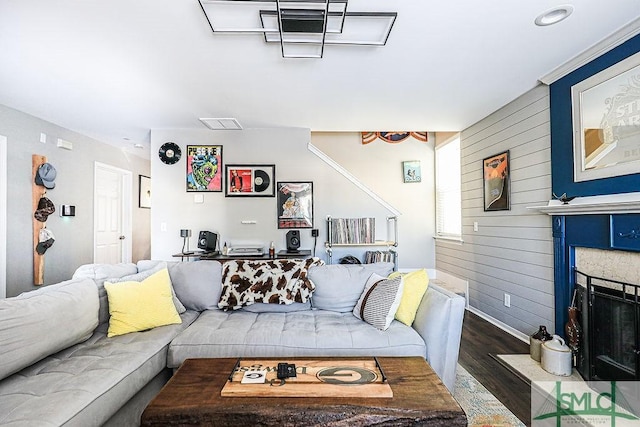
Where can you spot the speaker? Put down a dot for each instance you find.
(293, 241)
(207, 241)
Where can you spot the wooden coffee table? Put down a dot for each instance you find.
(193, 397)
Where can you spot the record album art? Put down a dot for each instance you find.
(250, 180)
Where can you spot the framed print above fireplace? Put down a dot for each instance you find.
(606, 122)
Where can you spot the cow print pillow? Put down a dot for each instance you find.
(281, 281)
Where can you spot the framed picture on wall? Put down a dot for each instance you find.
(250, 180)
(144, 192)
(495, 181)
(411, 171)
(204, 168)
(295, 204)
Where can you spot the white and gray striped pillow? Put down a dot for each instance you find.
(379, 301)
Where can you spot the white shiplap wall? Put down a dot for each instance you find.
(512, 251)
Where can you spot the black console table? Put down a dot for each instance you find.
(279, 255)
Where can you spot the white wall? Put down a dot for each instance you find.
(512, 251)
(74, 186)
(3, 216)
(287, 149)
(378, 166)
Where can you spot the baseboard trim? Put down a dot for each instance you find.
(508, 329)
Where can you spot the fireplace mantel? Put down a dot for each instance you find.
(609, 222)
(606, 204)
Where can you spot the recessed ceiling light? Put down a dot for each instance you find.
(221, 123)
(554, 15)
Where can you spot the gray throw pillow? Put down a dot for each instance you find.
(379, 301)
(339, 286)
(99, 273)
(197, 284)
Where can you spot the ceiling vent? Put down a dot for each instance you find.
(221, 124)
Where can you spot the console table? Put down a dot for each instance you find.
(279, 255)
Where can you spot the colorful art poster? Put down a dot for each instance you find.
(204, 168)
(495, 171)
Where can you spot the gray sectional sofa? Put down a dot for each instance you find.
(57, 366)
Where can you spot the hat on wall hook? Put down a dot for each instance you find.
(45, 208)
(45, 240)
(46, 176)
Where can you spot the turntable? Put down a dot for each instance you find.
(246, 251)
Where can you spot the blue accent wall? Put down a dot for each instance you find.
(592, 231)
(562, 130)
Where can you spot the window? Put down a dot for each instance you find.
(448, 197)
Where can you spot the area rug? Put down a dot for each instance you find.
(482, 407)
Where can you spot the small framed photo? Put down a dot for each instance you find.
(495, 180)
(250, 180)
(144, 192)
(411, 171)
(204, 168)
(295, 204)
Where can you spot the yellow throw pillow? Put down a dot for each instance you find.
(138, 306)
(415, 285)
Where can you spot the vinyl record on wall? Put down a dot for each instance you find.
(261, 180)
(169, 153)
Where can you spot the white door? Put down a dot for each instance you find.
(3, 216)
(112, 215)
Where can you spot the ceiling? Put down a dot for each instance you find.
(114, 69)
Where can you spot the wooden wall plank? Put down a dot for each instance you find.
(512, 251)
(524, 102)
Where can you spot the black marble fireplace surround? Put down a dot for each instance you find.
(609, 311)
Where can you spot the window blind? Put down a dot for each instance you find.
(448, 197)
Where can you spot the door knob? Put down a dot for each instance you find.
(121, 237)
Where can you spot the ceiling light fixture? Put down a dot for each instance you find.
(302, 27)
(554, 15)
(221, 123)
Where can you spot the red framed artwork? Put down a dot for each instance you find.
(250, 180)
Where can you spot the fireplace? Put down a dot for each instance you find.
(607, 229)
(609, 312)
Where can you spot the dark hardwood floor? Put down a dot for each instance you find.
(480, 339)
